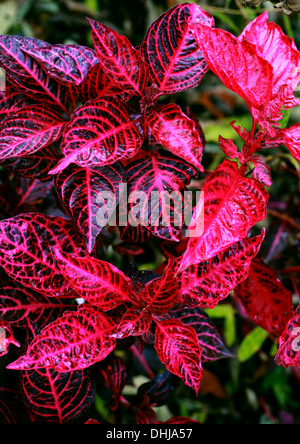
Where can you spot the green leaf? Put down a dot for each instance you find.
(252, 344)
(227, 312)
(285, 118)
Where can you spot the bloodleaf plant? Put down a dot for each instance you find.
(98, 164)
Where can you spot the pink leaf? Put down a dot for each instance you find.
(175, 60)
(228, 147)
(119, 59)
(267, 302)
(261, 172)
(176, 132)
(288, 354)
(19, 304)
(161, 294)
(291, 139)
(96, 84)
(135, 322)
(209, 339)
(65, 63)
(237, 64)
(98, 282)
(282, 54)
(31, 129)
(207, 283)
(26, 251)
(28, 76)
(73, 342)
(232, 205)
(177, 347)
(100, 133)
(11, 101)
(90, 196)
(54, 397)
(36, 165)
(156, 193)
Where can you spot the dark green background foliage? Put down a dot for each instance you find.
(249, 388)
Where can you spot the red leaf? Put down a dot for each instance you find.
(11, 101)
(207, 283)
(261, 172)
(161, 294)
(31, 129)
(228, 147)
(90, 196)
(282, 54)
(30, 192)
(6, 337)
(28, 76)
(177, 347)
(156, 195)
(135, 322)
(209, 339)
(96, 85)
(75, 341)
(176, 132)
(65, 63)
(237, 64)
(26, 251)
(179, 420)
(291, 139)
(232, 205)
(36, 165)
(267, 302)
(115, 375)
(100, 133)
(175, 60)
(119, 59)
(98, 282)
(19, 304)
(288, 354)
(54, 397)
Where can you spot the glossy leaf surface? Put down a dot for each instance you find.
(268, 303)
(30, 130)
(99, 282)
(101, 132)
(90, 197)
(232, 205)
(177, 347)
(54, 397)
(73, 342)
(288, 353)
(175, 59)
(209, 282)
(119, 59)
(26, 251)
(176, 132)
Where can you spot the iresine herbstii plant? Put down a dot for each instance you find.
(90, 122)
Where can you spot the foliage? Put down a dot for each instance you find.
(99, 168)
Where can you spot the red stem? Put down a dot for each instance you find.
(143, 361)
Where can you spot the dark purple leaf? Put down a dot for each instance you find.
(100, 133)
(175, 59)
(210, 340)
(90, 196)
(54, 397)
(26, 251)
